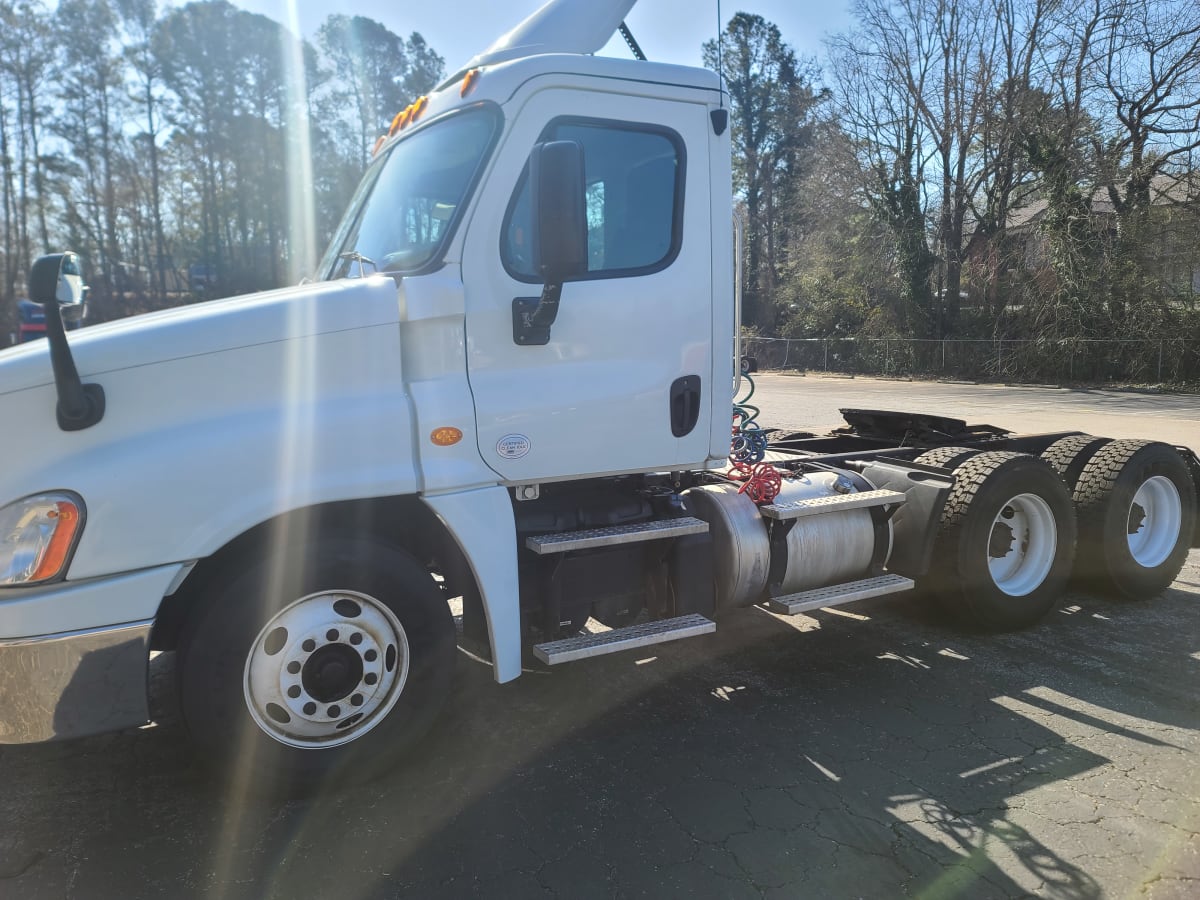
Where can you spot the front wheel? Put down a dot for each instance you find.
(322, 662)
(1005, 541)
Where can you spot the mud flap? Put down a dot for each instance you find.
(915, 523)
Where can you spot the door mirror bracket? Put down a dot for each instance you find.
(533, 316)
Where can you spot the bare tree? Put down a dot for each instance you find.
(370, 62)
(26, 59)
(1151, 64)
(1148, 54)
(878, 72)
(138, 17)
(91, 92)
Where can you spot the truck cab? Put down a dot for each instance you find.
(446, 209)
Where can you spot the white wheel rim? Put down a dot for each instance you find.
(1155, 518)
(1022, 544)
(326, 669)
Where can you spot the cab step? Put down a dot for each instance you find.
(628, 638)
(837, 594)
(832, 503)
(656, 529)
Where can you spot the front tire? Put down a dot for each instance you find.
(1137, 512)
(323, 662)
(1005, 542)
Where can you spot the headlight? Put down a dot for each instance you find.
(38, 536)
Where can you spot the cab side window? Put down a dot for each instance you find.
(634, 178)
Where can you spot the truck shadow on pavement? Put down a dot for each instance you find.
(880, 754)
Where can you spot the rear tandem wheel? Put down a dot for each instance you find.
(1005, 542)
(1137, 511)
(946, 457)
(1070, 455)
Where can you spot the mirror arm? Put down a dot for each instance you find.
(547, 309)
(80, 405)
(533, 316)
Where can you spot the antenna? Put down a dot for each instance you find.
(633, 45)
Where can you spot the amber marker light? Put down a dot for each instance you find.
(38, 535)
(446, 436)
(468, 82)
(66, 519)
(378, 143)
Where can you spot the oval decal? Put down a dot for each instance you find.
(512, 446)
(447, 436)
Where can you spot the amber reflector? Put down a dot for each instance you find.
(446, 436)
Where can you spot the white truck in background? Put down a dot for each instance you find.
(513, 381)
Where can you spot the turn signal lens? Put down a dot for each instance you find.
(38, 535)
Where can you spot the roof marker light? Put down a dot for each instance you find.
(395, 124)
(468, 82)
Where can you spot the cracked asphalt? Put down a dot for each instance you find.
(871, 751)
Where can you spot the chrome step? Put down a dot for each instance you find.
(571, 649)
(837, 594)
(831, 503)
(562, 541)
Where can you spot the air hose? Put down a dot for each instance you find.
(761, 482)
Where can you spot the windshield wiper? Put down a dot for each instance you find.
(355, 256)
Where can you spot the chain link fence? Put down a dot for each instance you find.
(1075, 361)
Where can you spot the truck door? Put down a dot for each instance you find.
(624, 382)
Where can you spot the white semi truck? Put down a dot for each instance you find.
(512, 381)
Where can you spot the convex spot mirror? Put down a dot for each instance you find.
(559, 202)
(57, 277)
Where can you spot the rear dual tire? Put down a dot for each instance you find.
(1005, 542)
(946, 457)
(1135, 503)
(1137, 511)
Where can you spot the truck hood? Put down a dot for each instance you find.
(210, 327)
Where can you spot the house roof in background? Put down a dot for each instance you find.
(1165, 189)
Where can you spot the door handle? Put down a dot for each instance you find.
(685, 405)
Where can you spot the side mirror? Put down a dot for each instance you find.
(558, 198)
(55, 281)
(57, 277)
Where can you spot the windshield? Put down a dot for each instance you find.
(408, 203)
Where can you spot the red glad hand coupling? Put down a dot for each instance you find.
(762, 483)
(739, 471)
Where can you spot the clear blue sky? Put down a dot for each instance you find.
(667, 30)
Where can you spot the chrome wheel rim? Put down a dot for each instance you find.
(1022, 544)
(326, 669)
(1155, 518)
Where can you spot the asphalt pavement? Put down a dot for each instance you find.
(870, 751)
(812, 401)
